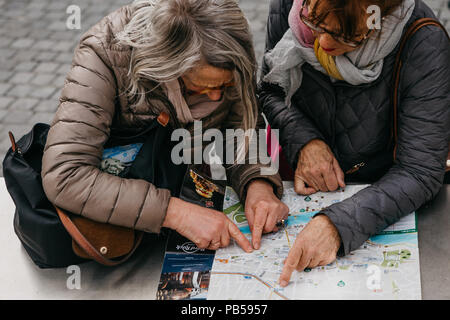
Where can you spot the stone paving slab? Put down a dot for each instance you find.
(36, 52)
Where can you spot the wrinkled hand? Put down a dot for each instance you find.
(263, 210)
(318, 168)
(316, 245)
(207, 228)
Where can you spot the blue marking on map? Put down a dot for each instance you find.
(293, 220)
(382, 239)
(245, 229)
(302, 218)
(387, 239)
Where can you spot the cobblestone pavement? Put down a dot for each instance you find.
(36, 51)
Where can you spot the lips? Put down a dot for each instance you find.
(328, 50)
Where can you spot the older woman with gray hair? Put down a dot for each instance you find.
(197, 54)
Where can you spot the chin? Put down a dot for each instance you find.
(337, 53)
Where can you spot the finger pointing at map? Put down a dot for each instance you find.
(386, 266)
(205, 227)
(263, 210)
(316, 244)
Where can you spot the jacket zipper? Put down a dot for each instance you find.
(356, 167)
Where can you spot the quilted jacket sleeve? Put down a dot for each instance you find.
(296, 129)
(423, 131)
(70, 172)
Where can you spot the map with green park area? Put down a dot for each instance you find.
(386, 266)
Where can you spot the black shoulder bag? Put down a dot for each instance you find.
(54, 238)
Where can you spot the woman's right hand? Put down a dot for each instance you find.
(318, 168)
(207, 228)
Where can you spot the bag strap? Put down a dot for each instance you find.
(78, 237)
(416, 26)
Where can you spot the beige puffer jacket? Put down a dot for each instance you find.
(94, 102)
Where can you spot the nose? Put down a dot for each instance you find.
(327, 41)
(215, 95)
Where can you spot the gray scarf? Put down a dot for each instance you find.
(361, 66)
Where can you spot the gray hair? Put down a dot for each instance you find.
(170, 37)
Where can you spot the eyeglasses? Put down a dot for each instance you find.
(207, 90)
(338, 38)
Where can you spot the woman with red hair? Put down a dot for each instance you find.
(326, 85)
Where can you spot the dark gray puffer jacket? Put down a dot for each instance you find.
(355, 121)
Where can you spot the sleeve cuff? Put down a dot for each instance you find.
(154, 211)
(241, 186)
(343, 234)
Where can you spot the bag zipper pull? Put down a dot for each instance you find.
(14, 146)
(355, 168)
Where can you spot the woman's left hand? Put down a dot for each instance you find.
(263, 210)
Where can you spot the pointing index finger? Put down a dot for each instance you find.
(290, 264)
(241, 240)
(258, 225)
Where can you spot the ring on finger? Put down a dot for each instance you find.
(281, 224)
